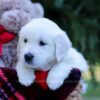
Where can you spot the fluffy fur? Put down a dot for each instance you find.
(55, 55)
(16, 13)
(13, 15)
(77, 59)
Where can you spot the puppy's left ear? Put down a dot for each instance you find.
(62, 45)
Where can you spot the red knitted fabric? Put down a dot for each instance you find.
(11, 89)
(41, 78)
(5, 37)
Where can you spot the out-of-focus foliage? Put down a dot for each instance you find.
(81, 20)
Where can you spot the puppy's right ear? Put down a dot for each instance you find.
(18, 48)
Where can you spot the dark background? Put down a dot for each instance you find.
(81, 20)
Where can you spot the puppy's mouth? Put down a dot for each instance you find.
(29, 64)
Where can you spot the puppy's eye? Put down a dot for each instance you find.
(25, 40)
(41, 43)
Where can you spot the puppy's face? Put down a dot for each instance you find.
(37, 50)
(38, 44)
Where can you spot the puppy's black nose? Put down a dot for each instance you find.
(28, 57)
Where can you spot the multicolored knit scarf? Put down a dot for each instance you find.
(11, 89)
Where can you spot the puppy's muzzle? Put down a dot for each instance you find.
(28, 57)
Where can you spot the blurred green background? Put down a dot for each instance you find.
(81, 20)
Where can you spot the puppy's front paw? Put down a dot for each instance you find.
(27, 80)
(54, 82)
